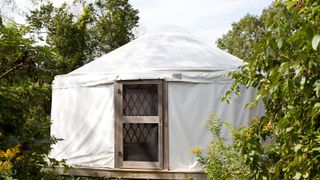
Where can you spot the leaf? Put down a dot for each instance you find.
(316, 107)
(269, 51)
(283, 67)
(297, 147)
(302, 82)
(277, 3)
(305, 175)
(289, 129)
(279, 43)
(315, 41)
(316, 86)
(297, 176)
(290, 4)
(316, 149)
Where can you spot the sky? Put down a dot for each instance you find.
(205, 19)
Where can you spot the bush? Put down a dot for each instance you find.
(222, 160)
(284, 67)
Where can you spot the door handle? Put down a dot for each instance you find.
(120, 154)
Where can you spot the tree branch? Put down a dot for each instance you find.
(16, 67)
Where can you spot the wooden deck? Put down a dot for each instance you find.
(132, 173)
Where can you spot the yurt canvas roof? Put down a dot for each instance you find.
(170, 54)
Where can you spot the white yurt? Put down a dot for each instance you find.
(140, 108)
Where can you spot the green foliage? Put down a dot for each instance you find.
(283, 64)
(222, 160)
(240, 40)
(76, 39)
(27, 68)
(24, 102)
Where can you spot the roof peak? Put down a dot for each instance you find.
(167, 28)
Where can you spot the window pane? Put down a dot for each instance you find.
(140, 100)
(140, 142)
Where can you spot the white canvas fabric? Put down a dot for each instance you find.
(173, 55)
(83, 100)
(190, 107)
(84, 119)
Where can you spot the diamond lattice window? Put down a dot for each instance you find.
(140, 100)
(140, 142)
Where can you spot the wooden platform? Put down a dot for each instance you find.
(132, 173)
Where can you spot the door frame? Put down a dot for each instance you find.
(163, 140)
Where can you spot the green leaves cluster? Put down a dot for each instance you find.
(78, 38)
(28, 65)
(24, 102)
(222, 160)
(283, 64)
(240, 40)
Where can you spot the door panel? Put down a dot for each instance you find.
(138, 123)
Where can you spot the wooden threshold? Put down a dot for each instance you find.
(131, 173)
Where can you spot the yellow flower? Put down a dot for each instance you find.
(16, 149)
(11, 152)
(267, 127)
(2, 153)
(7, 156)
(196, 150)
(248, 134)
(254, 120)
(5, 166)
(19, 158)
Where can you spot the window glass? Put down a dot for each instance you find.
(140, 100)
(140, 142)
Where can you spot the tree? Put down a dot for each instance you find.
(24, 105)
(284, 67)
(101, 27)
(240, 40)
(27, 68)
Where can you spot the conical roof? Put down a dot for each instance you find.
(169, 50)
(155, 55)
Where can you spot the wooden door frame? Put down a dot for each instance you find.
(163, 139)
